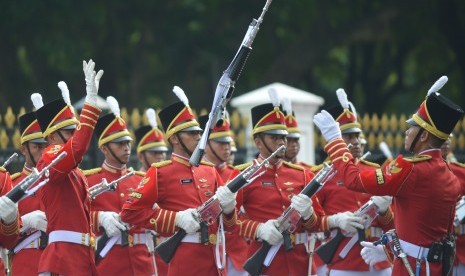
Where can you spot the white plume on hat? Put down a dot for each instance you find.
(114, 106)
(287, 105)
(152, 117)
(64, 92)
(437, 85)
(385, 149)
(342, 97)
(353, 110)
(36, 99)
(274, 98)
(181, 95)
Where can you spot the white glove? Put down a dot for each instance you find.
(268, 232)
(302, 204)
(188, 220)
(111, 222)
(227, 199)
(328, 126)
(35, 219)
(8, 210)
(382, 202)
(92, 81)
(372, 254)
(346, 221)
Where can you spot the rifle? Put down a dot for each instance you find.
(23, 189)
(326, 251)
(287, 222)
(103, 240)
(104, 186)
(211, 209)
(9, 160)
(225, 86)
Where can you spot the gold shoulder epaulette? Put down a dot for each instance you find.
(206, 163)
(161, 164)
(418, 158)
(307, 164)
(294, 166)
(458, 164)
(131, 169)
(370, 163)
(231, 166)
(244, 166)
(2, 169)
(91, 171)
(316, 168)
(15, 175)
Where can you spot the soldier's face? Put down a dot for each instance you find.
(292, 148)
(33, 150)
(410, 135)
(151, 157)
(122, 150)
(223, 150)
(190, 139)
(271, 142)
(353, 141)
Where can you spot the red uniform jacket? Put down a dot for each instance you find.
(424, 189)
(8, 233)
(174, 185)
(127, 260)
(26, 261)
(459, 170)
(335, 198)
(66, 201)
(266, 198)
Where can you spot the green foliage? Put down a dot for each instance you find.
(386, 54)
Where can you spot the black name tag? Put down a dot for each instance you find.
(267, 184)
(186, 181)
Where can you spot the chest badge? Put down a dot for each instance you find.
(288, 183)
(186, 181)
(202, 180)
(267, 184)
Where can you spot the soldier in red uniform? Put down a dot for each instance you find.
(340, 204)
(217, 152)
(293, 136)
(9, 222)
(65, 198)
(26, 254)
(424, 189)
(151, 146)
(167, 197)
(459, 170)
(269, 195)
(116, 257)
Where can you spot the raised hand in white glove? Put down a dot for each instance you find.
(92, 81)
(8, 210)
(372, 254)
(302, 204)
(227, 199)
(328, 126)
(35, 219)
(188, 220)
(346, 221)
(382, 202)
(268, 232)
(111, 222)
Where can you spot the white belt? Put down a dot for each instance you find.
(414, 250)
(30, 242)
(196, 238)
(72, 237)
(374, 232)
(299, 238)
(140, 238)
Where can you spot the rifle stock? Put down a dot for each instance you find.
(254, 264)
(327, 250)
(167, 248)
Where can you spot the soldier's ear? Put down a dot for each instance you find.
(173, 140)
